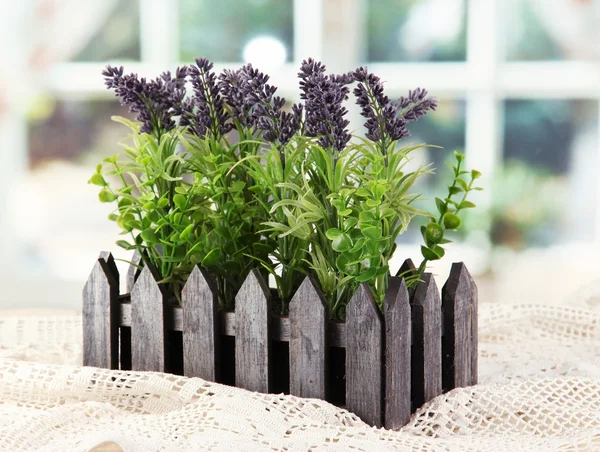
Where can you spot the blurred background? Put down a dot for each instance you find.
(518, 81)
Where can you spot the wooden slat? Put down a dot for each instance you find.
(456, 343)
(308, 333)
(398, 337)
(364, 357)
(252, 334)
(100, 315)
(280, 326)
(474, 331)
(133, 272)
(148, 346)
(201, 324)
(426, 359)
(405, 267)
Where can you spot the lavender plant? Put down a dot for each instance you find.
(294, 194)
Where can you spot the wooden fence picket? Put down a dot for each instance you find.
(134, 271)
(364, 357)
(406, 266)
(426, 359)
(101, 315)
(201, 332)
(474, 330)
(456, 343)
(308, 348)
(253, 334)
(148, 333)
(398, 337)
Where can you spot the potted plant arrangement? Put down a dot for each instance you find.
(222, 188)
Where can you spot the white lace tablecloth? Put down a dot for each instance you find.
(539, 391)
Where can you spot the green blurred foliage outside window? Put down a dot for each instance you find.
(219, 30)
(118, 38)
(416, 30)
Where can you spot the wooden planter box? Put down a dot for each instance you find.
(380, 367)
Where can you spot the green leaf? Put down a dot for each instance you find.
(466, 205)
(349, 223)
(441, 206)
(367, 217)
(434, 233)
(454, 190)
(97, 179)
(475, 174)
(363, 192)
(373, 202)
(149, 206)
(125, 244)
(452, 221)
(345, 212)
(462, 183)
(149, 236)
(366, 275)
(181, 190)
(333, 233)
(185, 234)
(429, 254)
(106, 196)
(341, 243)
(179, 201)
(212, 258)
(372, 232)
(460, 157)
(162, 203)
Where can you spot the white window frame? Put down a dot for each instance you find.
(331, 30)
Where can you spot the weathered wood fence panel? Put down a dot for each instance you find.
(395, 362)
(148, 344)
(253, 334)
(201, 327)
(101, 315)
(364, 357)
(398, 338)
(426, 359)
(308, 337)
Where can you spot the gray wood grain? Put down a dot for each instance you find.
(456, 343)
(364, 357)
(308, 335)
(148, 346)
(280, 326)
(426, 358)
(474, 330)
(398, 338)
(133, 272)
(252, 334)
(201, 322)
(405, 267)
(101, 315)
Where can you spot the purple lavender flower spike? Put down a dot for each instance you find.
(324, 96)
(386, 118)
(154, 102)
(204, 113)
(252, 103)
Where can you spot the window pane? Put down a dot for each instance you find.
(545, 193)
(74, 131)
(237, 30)
(416, 30)
(66, 226)
(118, 38)
(552, 29)
(444, 127)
